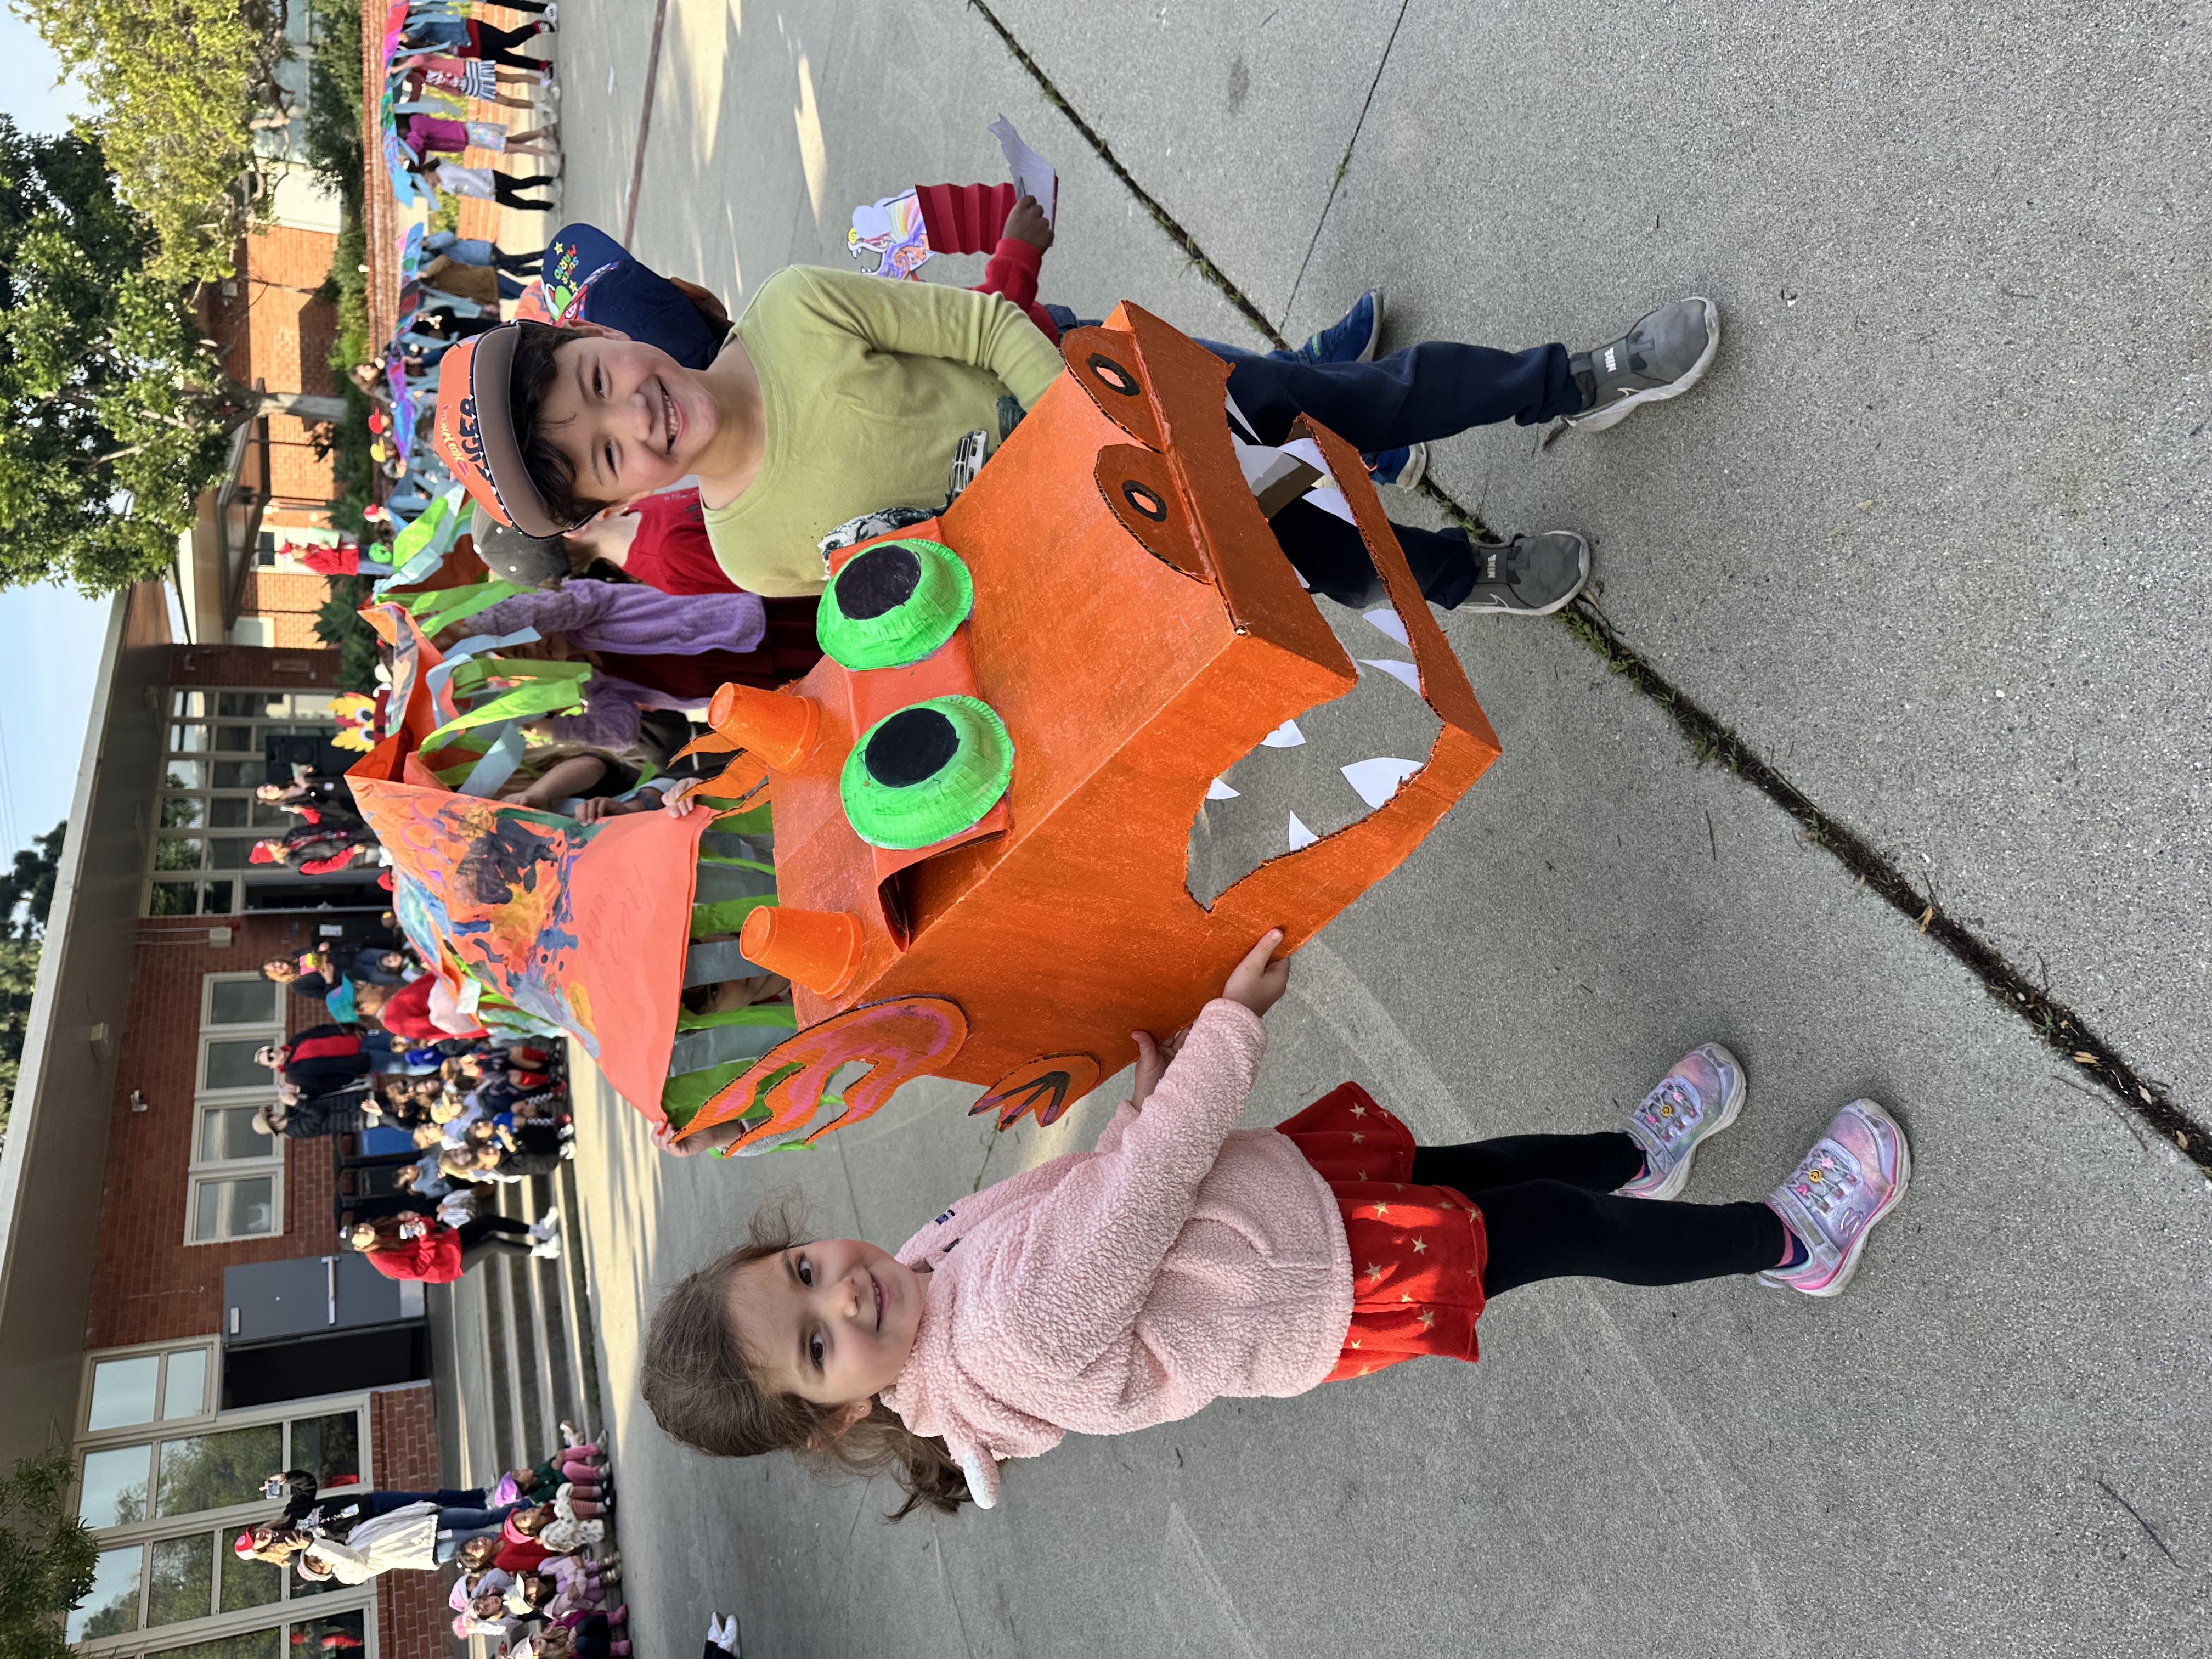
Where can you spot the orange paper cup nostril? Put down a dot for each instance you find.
(819, 949)
(781, 727)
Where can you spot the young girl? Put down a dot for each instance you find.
(1183, 1259)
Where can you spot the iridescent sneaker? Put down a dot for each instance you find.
(1852, 1177)
(1701, 1097)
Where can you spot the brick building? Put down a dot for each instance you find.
(273, 335)
(172, 1305)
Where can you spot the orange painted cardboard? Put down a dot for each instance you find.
(1138, 630)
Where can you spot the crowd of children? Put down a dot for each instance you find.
(534, 1568)
(479, 1108)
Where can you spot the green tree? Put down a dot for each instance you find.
(114, 412)
(47, 1559)
(31, 884)
(177, 88)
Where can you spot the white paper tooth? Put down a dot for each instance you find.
(1300, 836)
(1286, 736)
(1391, 623)
(1402, 671)
(1379, 779)
(1219, 791)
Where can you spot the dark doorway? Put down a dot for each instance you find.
(264, 1373)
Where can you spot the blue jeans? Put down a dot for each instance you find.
(1429, 391)
(458, 1518)
(384, 1052)
(383, 1503)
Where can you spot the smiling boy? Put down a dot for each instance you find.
(838, 393)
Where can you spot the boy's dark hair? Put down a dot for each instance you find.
(701, 1387)
(531, 377)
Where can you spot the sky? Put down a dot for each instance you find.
(53, 635)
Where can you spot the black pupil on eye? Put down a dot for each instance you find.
(881, 579)
(911, 747)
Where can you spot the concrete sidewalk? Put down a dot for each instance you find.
(1990, 1445)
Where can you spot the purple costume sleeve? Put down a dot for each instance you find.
(632, 619)
(609, 720)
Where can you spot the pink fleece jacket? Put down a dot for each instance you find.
(1179, 1260)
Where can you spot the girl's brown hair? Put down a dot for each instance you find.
(701, 1386)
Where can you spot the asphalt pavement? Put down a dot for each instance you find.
(1929, 538)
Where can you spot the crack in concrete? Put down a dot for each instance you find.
(1169, 225)
(2136, 1516)
(2057, 1024)
(1345, 160)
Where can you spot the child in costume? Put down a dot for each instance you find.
(580, 1467)
(1182, 1260)
(837, 396)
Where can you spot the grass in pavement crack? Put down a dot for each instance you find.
(2060, 1028)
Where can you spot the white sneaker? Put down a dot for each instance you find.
(1700, 1096)
(547, 1224)
(546, 1249)
(1853, 1176)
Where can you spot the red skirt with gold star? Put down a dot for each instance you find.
(1416, 1252)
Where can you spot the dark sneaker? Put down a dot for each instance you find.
(1352, 338)
(1405, 466)
(1530, 575)
(1666, 354)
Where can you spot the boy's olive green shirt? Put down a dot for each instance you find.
(867, 387)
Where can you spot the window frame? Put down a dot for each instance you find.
(88, 1439)
(193, 718)
(289, 1610)
(200, 1171)
(213, 1422)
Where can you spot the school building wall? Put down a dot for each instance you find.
(412, 1619)
(149, 1285)
(289, 599)
(214, 667)
(271, 330)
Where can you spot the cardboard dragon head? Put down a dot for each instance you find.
(982, 796)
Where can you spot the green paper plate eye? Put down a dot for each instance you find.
(927, 773)
(894, 605)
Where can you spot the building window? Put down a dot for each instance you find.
(236, 1174)
(217, 753)
(164, 1385)
(165, 1506)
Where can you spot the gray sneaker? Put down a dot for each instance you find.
(1666, 354)
(1529, 575)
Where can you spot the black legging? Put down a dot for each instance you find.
(594, 1637)
(507, 190)
(1548, 1206)
(491, 1235)
(498, 45)
(522, 264)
